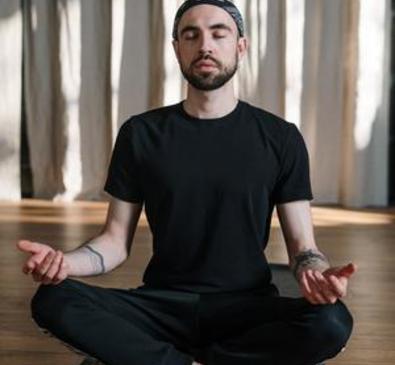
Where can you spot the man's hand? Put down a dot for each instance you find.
(325, 287)
(45, 264)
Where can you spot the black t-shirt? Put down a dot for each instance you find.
(209, 187)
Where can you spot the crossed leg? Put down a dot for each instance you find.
(118, 326)
(151, 326)
(258, 329)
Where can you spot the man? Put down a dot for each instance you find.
(210, 170)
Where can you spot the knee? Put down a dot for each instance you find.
(334, 326)
(46, 303)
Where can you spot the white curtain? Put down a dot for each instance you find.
(86, 72)
(323, 65)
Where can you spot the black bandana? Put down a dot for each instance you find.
(227, 5)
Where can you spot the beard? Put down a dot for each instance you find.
(208, 81)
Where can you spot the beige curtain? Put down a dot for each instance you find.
(86, 72)
(323, 65)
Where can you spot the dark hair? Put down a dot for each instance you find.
(227, 5)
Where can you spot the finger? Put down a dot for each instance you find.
(53, 269)
(320, 287)
(306, 287)
(338, 286)
(27, 267)
(30, 265)
(29, 246)
(347, 270)
(309, 298)
(325, 287)
(57, 276)
(61, 274)
(306, 290)
(305, 283)
(45, 264)
(36, 259)
(315, 289)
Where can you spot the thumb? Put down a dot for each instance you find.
(29, 246)
(347, 270)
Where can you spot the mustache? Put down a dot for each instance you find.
(206, 57)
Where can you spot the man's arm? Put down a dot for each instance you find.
(319, 282)
(297, 227)
(111, 247)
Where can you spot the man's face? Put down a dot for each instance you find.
(208, 47)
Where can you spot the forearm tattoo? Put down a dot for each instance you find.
(309, 259)
(96, 260)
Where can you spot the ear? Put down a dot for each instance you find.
(242, 46)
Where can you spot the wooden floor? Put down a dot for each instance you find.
(366, 237)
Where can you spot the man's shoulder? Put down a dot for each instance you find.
(152, 115)
(269, 120)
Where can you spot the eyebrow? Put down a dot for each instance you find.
(214, 26)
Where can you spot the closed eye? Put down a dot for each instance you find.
(194, 36)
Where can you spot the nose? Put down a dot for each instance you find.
(205, 45)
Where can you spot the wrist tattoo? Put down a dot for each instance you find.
(96, 260)
(308, 258)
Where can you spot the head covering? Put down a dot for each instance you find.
(227, 5)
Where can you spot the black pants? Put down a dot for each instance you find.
(150, 326)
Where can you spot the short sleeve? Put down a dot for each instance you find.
(293, 181)
(123, 178)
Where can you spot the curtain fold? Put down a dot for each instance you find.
(69, 78)
(261, 79)
(43, 97)
(10, 98)
(94, 119)
(365, 180)
(86, 73)
(321, 105)
(157, 49)
(134, 68)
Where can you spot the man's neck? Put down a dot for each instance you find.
(210, 104)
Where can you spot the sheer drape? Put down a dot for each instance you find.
(86, 72)
(323, 65)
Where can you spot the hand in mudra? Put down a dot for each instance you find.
(45, 264)
(325, 287)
